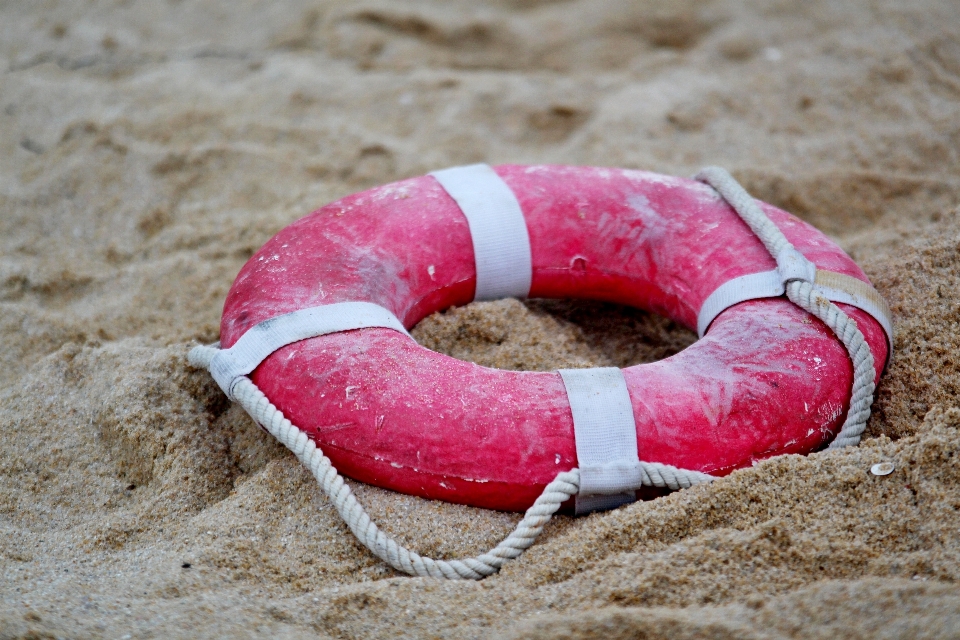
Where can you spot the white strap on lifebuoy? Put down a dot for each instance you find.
(606, 437)
(836, 287)
(254, 346)
(501, 243)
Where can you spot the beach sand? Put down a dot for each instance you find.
(148, 148)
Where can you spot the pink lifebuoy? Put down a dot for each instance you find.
(767, 378)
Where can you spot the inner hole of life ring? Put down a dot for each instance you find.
(547, 334)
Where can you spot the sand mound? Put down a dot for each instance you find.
(148, 148)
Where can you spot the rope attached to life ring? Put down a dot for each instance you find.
(567, 483)
(802, 293)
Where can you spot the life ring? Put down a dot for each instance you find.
(766, 379)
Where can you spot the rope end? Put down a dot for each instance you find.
(201, 356)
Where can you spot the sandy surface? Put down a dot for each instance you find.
(147, 148)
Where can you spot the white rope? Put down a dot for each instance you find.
(802, 293)
(561, 489)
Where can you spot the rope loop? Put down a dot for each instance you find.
(799, 288)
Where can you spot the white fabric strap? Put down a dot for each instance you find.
(766, 284)
(836, 287)
(839, 287)
(254, 346)
(501, 243)
(606, 437)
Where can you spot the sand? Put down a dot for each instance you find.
(147, 148)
